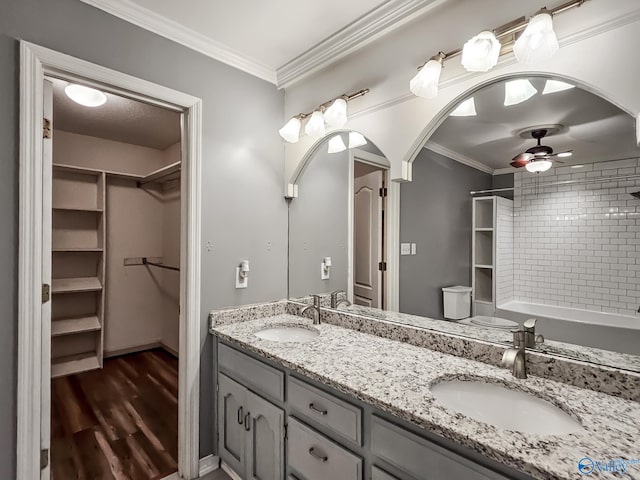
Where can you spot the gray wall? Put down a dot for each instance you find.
(435, 213)
(318, 224)
(242, 196)
(503, 181)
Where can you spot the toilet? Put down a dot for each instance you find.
(457, 306)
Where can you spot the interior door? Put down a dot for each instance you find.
(265, 459)
(367, 240)
(47, 173)
(232, 411)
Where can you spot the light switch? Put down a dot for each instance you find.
(405, 249)
(413, 249)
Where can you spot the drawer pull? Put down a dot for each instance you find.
(313, 408)
(320, 458)
(240, 415)
(247, 423)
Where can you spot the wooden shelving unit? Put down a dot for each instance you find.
(78, 270)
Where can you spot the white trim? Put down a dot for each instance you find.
(163, 26)
(209, 464)
(458, 157)
(229, 471)
(393, 246)
(36, 62)
(363, 31)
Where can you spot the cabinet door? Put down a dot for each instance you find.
(231, 415)
(265, 449)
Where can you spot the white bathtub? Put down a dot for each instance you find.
(619, 333)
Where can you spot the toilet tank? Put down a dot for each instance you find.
(457, 302)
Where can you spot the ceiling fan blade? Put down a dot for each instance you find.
(519, 163)
(521, 159)
(559, 153)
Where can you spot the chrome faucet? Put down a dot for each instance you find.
(530, 337)
(315, 308)
(335, 303)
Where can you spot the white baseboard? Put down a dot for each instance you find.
(209, 464)
(228, 471)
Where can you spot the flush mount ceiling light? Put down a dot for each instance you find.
(333, 113)
(336, 144)
(465, 109)
(538, 42)
(538, 166)
(89, 97)
(553, 86)
(480, 54)
(356, 139)
(518, 91)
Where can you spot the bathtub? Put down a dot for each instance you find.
(609, 331)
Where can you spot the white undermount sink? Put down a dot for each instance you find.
(504, 408)
(288, 333)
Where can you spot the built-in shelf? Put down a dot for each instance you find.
(70, 285)
(77, 249)
(484, 229)
(69, 326)
(74, 364)
(484, 266)
(77, 209)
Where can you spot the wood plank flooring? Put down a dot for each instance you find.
(118, 423)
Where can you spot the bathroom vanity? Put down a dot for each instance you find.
(344, 404)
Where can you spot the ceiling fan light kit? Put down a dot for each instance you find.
(538, 158)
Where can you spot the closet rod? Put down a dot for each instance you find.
(582, 181)
(159, 265)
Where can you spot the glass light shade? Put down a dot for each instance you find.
(537, 166)
(480, 54)
(291, 131)
(518, 91)
(336, 114)
(425, 83)
(315, 125)
(538, 42)
(336, 144)
(553, 86)
(89, 97)
(465, 109)
(356, 139)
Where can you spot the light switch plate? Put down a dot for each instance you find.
(324, 275)
(241, 282)
(413, 249)
(405, 249)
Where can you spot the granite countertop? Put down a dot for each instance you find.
(396, 378)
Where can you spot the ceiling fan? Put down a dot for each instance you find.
(538, 158)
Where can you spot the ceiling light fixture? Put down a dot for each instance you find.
(538, 42)
(554, 86)
(356, 139)
(518, 91)
(480, 52)
(465, 109)
(89, 97)
(336, 144)
(333, 113)
(538, 166)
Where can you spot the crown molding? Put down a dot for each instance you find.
(458, 157)
(366, 29)
(153, 22)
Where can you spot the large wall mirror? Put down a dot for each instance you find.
(524, 203)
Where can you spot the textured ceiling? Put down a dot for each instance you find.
(120, 119)
(595, 129)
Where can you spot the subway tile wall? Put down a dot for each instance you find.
(504, 250)
(578, 245)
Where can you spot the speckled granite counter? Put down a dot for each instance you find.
(396, 378)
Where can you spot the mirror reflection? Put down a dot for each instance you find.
(524, 204)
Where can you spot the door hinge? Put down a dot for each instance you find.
(382, 266)
(44, 458)
(46, 128)
(46, 292)
(383, 192)
(286, 431)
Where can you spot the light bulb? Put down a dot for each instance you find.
(336, 114)
(356, 139)
(465, 109)
(518, 91)
(481, 53)
(538, 42)
(425, 83)
(89, 97)
(553, 86)
(336, 144)
(291, 131)
(315, 125)
(537, 166)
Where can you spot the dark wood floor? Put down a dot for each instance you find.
(120, 422)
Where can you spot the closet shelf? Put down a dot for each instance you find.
(74, 364)
(77, 209)
(484, 266)
(69, 326)
(484, 229)
(77, 249)
(71, 285)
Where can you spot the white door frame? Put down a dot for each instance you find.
(392, 228)
(35, 63)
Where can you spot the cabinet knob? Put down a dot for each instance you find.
(320, 458)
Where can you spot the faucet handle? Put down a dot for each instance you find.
(316, 300)
(530, 325)
(519, 338)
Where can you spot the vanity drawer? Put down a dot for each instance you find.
(315, 457)
(324, 409)
(421, 458)
(254, 374)
(377, 474)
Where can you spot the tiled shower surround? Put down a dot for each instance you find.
(578, 245)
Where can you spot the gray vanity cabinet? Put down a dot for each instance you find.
(251, 432)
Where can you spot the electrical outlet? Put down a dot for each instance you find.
(413, 249)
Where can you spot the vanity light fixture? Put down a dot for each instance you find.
(336, 144)
(465, 109)
(333, 113)
(538, 166)
(87, 96)
(356, 139)
(553, 86)
(518, 91)
(479, 53)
